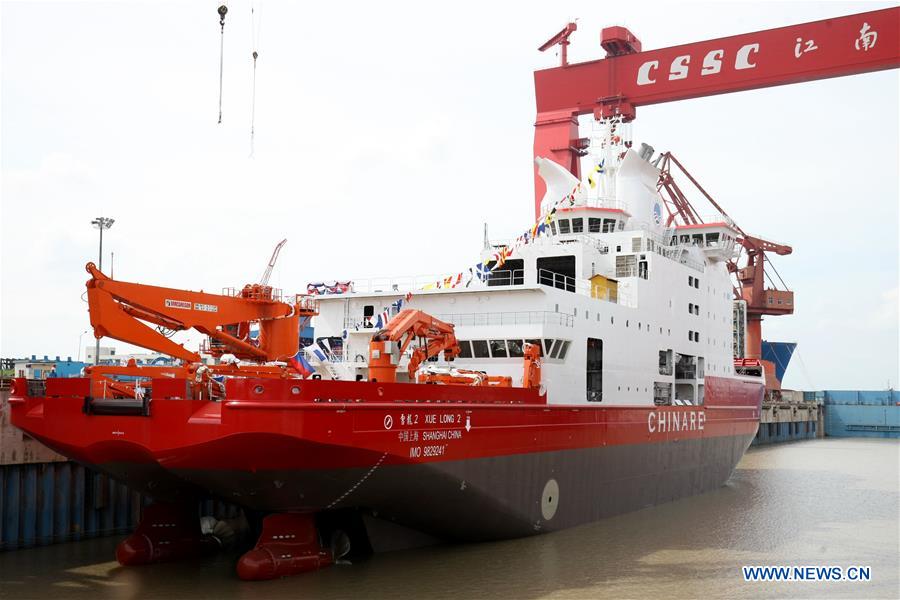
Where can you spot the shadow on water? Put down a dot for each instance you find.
(822, 502)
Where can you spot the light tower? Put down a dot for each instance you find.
(101, 223)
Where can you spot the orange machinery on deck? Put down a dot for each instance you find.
(125, 311)
(436, 337)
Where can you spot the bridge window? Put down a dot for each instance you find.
(594, 370)
(564, 226)
(465, 349)
(609, 225)
(594, 225)
(515, 348)
(577, 225)
(553, 227)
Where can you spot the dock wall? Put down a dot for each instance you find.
(862, 413)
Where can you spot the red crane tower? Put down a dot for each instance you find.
(613, 87)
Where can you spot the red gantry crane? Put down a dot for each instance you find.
(613, 87)
(628, 78)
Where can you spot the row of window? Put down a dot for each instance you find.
(693, 282)
(694, 309)
(550, 348)
(694, 336)
(595, 225)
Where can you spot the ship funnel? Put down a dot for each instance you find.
(636, 187)
(559, 181)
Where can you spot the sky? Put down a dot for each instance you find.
(386, 134)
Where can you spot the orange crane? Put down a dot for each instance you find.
(435, 337)
(120, 309)
(390, 343)
(127, 311)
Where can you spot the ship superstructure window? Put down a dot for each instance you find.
(662, 393)
(557, 271)
(685, 366)
(594, 225)
(643, 270)
(594, 370)
(480, 349)
(498, 349)
(553, 227)
(609, 225)
(577, 225)
(511, 273)
(626, 265)
(560, 348)
(564, 226)
(551, 348)
(665, 362)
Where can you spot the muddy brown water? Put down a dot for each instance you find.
(818, 502)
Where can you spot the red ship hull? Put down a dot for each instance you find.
(451, 461)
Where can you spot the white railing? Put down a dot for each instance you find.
(709, 219)
(531, 317)
(565, 238)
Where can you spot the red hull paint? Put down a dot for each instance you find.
(288, 425)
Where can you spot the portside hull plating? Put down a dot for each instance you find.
(459, 470)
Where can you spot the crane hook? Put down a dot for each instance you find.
(222, 10)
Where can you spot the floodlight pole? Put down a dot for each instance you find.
(101, 223)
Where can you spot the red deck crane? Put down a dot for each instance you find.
(613, 87)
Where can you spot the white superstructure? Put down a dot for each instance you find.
(626, 311)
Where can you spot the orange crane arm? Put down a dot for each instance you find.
(408, 325)
(118, 308)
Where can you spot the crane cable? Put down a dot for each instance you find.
(222, 10)
(254, 34)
